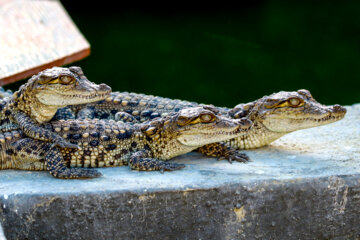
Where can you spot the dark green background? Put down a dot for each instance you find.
(225, 55)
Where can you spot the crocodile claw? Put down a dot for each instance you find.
(235, 155)
(166, 166)
(77, 173)
(240, 157)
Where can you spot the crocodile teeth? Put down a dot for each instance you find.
(320, 119)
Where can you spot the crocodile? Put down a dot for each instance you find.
(106, 143)
(38, 99)
(273, 116)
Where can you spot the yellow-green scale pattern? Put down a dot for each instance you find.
(101, 143)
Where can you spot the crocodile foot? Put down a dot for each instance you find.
(166, 166)
(235, 155)
(141, 161)
(57, 167)
(223, 152)
(78, 173)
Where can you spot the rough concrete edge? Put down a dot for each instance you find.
(335, 184)
(188, 188)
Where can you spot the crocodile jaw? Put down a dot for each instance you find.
(43, 113)
(258, 136)
(224, 130)
(203, 138)
(45, 103)
(293, 122)
(72, 98)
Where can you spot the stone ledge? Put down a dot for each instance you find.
(306, 185)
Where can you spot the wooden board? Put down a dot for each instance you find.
(35, 35)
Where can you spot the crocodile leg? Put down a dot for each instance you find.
(56, 166)
(33, 130)
(223, 151)
(143, 161)
(31, 154)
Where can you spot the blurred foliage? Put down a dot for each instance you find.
(225, 56)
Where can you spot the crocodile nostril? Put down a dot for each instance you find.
(240, 114)
(338, 108)
(245, 122)
(104, 87)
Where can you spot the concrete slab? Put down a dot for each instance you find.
(305, 185)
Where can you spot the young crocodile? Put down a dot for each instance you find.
(37, 101)
(273, 116)
(110, 143)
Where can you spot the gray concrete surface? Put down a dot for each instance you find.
(305, 185)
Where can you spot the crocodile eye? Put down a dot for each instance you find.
(294, 102)
(52, 81)
(66, 79)
(207, 118)
(181, 121)
(271, 103)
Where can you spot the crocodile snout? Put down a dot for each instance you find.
(338, 108)
(104, 87)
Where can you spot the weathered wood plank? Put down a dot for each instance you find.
(35, 35)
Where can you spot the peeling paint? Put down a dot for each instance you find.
(46, 203)
(344, 200)
(146, 197)
(186, 191)
(240, 213)
(338, 186)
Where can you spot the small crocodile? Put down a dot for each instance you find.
(106, 143)
(38, 99)
(273, 116)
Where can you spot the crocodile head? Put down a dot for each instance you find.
(285, 112)
(55, 88)
(191, 128)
